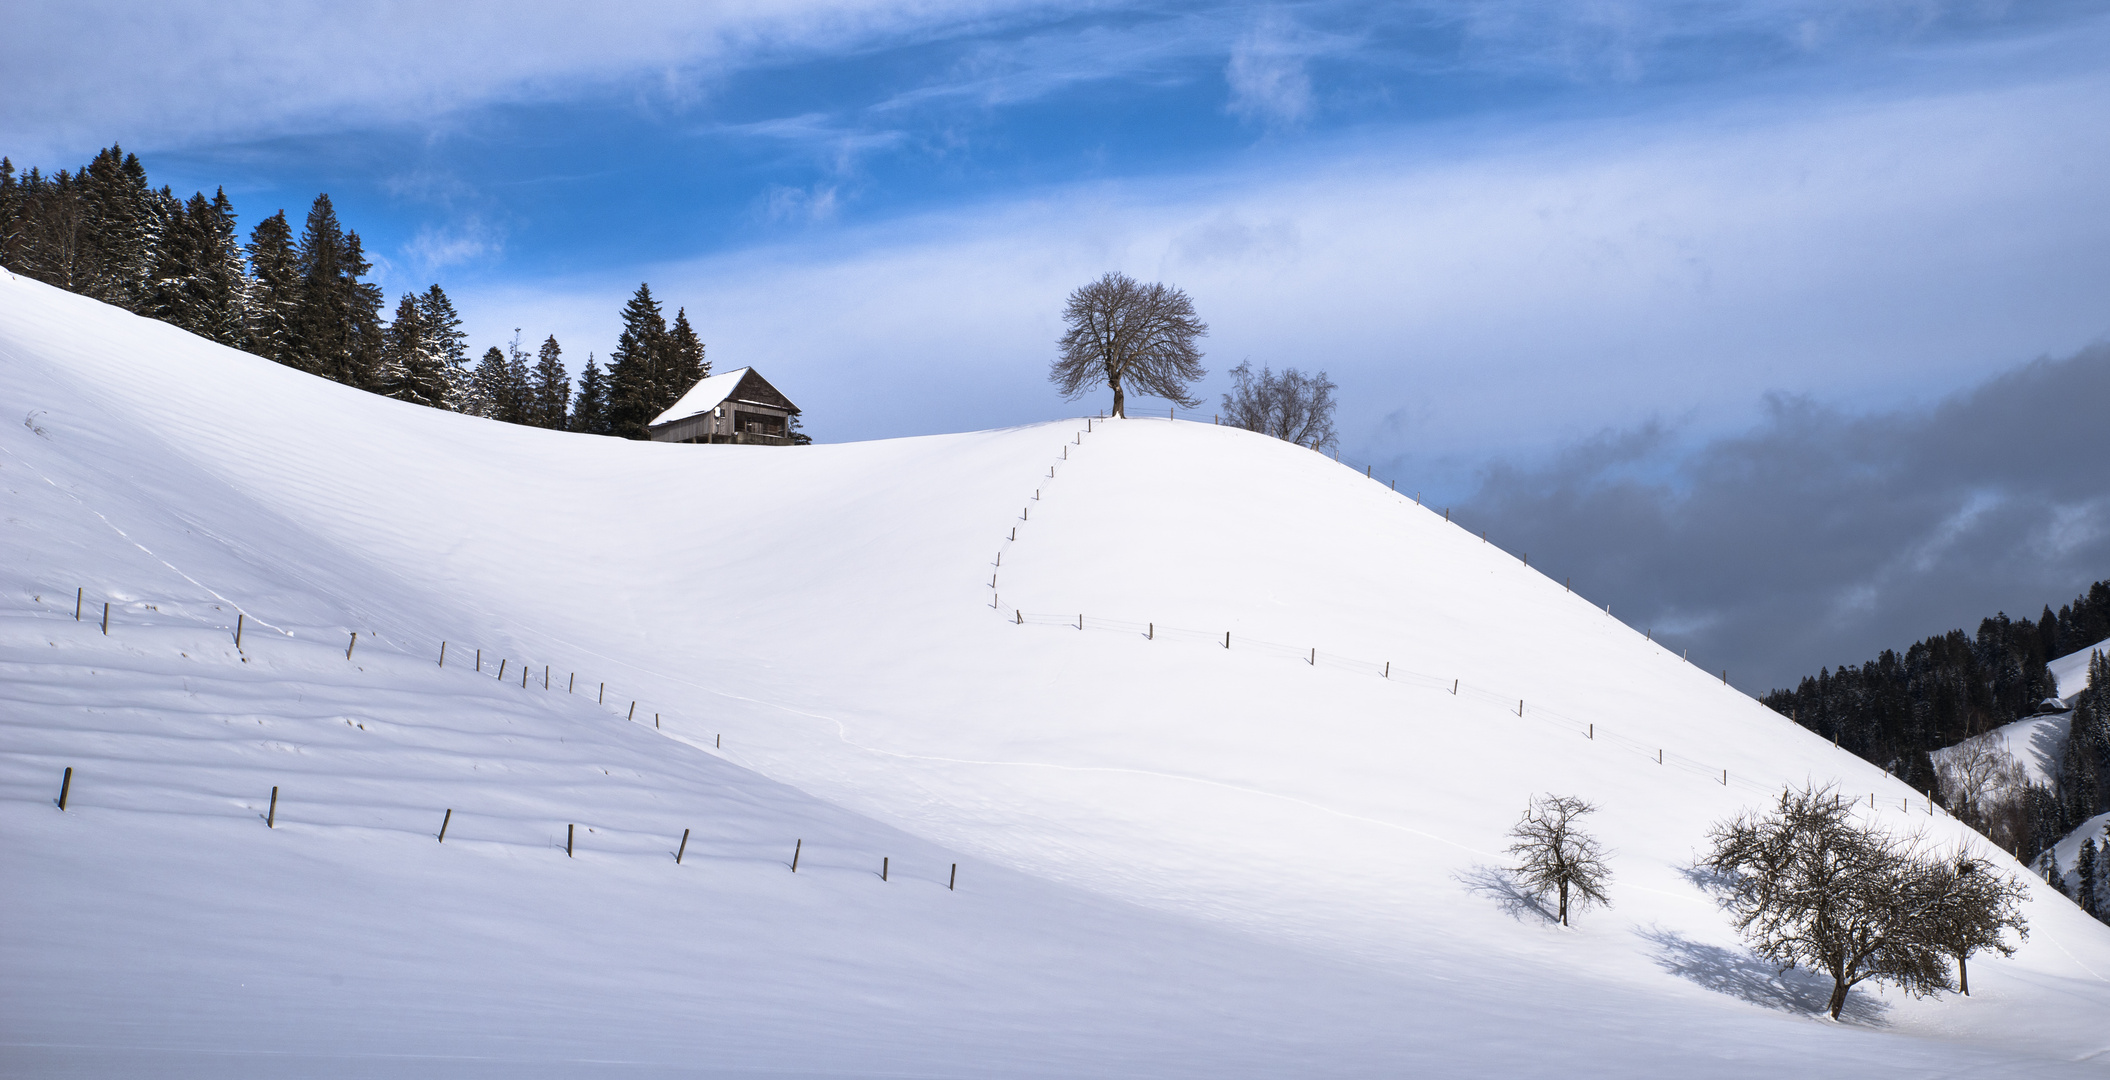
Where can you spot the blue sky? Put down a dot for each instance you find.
(1511, 230)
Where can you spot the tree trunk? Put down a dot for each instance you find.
(1115, 382)
(1564, 903)
(1963, 974)
(1838, 1001)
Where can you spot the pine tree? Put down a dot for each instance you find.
(685, 365)
(411, 367)
(223, 285)
(120, 219)
(2085, 867)
(337, 323)
(520, 393)
(490, 380)
(633, 368)
(2078, 779)
(444, 328)
(274, 290)
(198, 282)
(173, 292)
(549, 388)
(589, 414)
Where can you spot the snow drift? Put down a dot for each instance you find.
(1222, 738)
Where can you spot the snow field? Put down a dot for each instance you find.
(1177, 859)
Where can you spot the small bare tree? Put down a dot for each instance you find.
(1977, 777)
(1291, 406)
(1974, 907)
(1811, 887)
(1555, 855)
(1126, 334)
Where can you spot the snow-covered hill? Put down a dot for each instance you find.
(1179, 853)
(2070, 672)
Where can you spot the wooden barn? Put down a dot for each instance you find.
(737, 407)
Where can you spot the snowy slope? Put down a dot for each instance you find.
(2070, 672)
(1176, 858)
(2036, 743)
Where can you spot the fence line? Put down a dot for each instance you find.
(1384, 669)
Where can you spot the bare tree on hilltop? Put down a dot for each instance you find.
(1126, 334)
(1292, 406)
(1556, 856)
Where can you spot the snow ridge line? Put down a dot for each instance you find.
(1150, 631)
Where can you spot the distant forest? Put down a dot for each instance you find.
(1896, 710)
(103, 231)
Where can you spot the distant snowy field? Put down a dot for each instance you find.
(1175, 858)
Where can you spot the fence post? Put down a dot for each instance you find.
(502, 667)
(1227, 639)
(954, 879)
(239, 618)
(1388, 669)
(443, 654)
(355, 644)
(443, 824)
(79, 595)
(1152, 635)
(65, 786)
(106, 618)
(796, 847)
(569, 831)
(633, 712)
(683, 849)
(271, 818)
(884, 860)
(479, 660)
(603, 698)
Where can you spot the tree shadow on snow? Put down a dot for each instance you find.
(1501, 885)
(1743, 974)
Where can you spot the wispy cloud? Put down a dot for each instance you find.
(1270, 83)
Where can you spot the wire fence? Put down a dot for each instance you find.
(1390, 671)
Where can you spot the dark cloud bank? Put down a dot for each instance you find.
(1819, 537)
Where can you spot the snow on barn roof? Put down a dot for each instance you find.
(706, 395)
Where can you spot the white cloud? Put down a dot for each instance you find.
(1269, 83)
(85, 71)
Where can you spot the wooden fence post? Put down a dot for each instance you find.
(524, 672)
(1388, 669)
(683, 849)
(568, 833)
(502, 667)
(572, 684)
(271, 818)
(883, 867)
(1227, 639)
(355, 644)
(796, 847)
(65, 786)
(603, 699)
(545, 676)
(633, 713)
(239, 618)
(1152, 633)
(443, 654)
(79, 595)
(479, 660)
(954, 879)
(106, 618)
(443, 824)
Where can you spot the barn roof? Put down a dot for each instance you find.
(716, 390)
